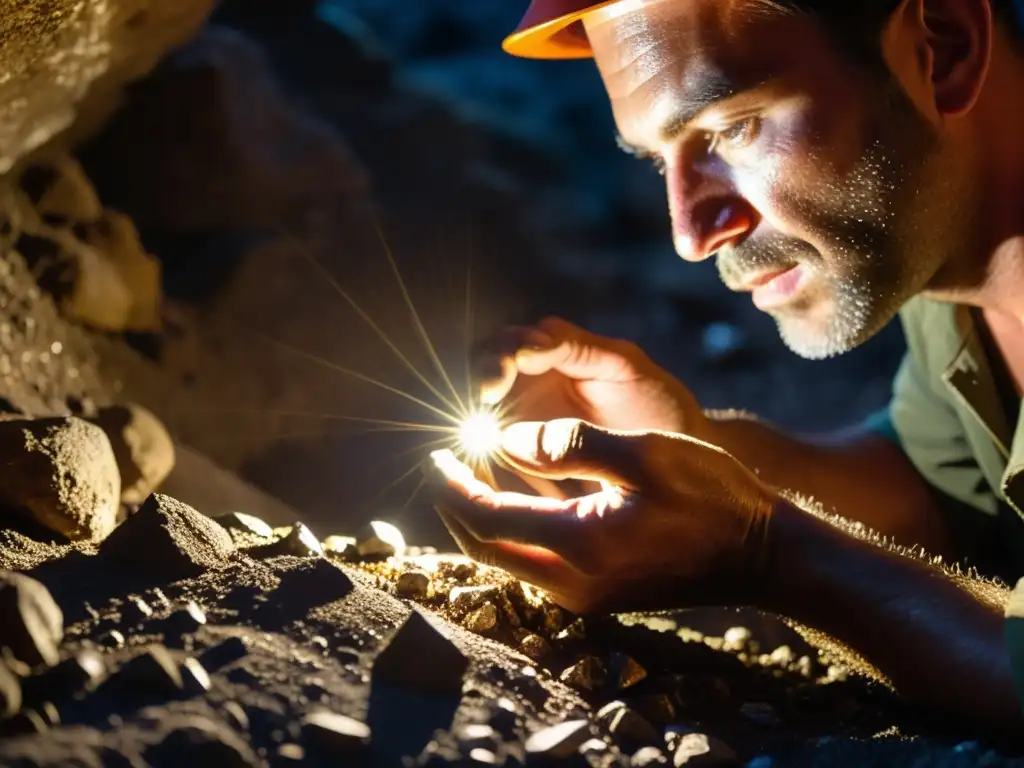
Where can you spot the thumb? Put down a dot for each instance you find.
(574, 449)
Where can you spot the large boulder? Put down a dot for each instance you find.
(61, 473)
(66, 61)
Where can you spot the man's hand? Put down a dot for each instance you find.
(676, 521)
(556, 370)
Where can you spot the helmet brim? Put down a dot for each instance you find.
(545, 38)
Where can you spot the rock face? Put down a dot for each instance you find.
(62, 472)
(68, 58)
(143, 449)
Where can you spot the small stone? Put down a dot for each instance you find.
(783, 656)
(401, 662)
(481, 756)
(477, 735)
(234, 712)
(63, 190)
(48, 712)
(465, 599)
(554, 619)
(142, 447)
(508, 610)
(249, 524)
(463, 571)
(759, 712)
(587, 674)
(804, 666)
(62, 473)
(698, 750)
(573, 633)
(112, 639)
(737, 639)
(625, 671)
(185, 621)
(647, 757)
(333, 734)
(31, 623)
(483, 619)
(154, 669)
(10, 693)
(629, 728)
(656, 707)
(170, 540)
(290, 754)
(224, 653)
(592, 746)
(379, 540)
(137, 610)
(299, 542)
(413, 584)
(342, 546)
(503, 717)
(194, 678)
(83, 671)
(25, 722)
(558, 741)
(196, 740)
(534, 646)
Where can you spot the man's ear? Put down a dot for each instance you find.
(959, 35)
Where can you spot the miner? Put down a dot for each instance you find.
(844, 163)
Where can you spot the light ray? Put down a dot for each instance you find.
(354, 374)
(304, 252)
(416, 317)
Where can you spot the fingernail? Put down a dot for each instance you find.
(520, 440)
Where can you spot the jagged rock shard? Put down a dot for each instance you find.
(379, 540)
(647, 757)
(299, 542)
(63, 473)
(559, 741)
(240, 521)
(31, 623)
(697, 750)
(332, 734)
(154, 669)
(169, 540)
(83, 671)
(420, 658)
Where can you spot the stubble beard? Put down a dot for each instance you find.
(872, 253)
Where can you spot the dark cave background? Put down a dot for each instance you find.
(290, 131)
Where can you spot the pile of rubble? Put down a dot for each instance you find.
(150, 634)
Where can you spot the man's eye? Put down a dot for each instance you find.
(736, 136)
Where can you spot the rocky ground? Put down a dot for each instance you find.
(169, 312)
(179, 639)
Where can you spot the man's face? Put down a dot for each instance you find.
(814, 181)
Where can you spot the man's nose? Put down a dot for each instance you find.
(706, 220)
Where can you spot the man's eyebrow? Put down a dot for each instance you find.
(711, 89)
(707, 92)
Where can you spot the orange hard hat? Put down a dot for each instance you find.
(551, 29)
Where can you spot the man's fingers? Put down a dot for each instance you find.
(572, 448)
(493, 360)
(519, 518)
(540, 568)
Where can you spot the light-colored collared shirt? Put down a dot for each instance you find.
(960, 422)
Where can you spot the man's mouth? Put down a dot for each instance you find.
(776, 287)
